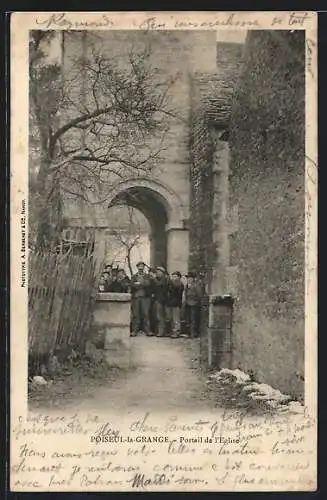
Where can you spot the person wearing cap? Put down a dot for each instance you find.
(160, 291)
(112, 284)
(192, 302)
(141, 299)
(106, 277)
(121, 283)
(106, 280)
(174, 303)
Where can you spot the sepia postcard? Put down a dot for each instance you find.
(163, 251)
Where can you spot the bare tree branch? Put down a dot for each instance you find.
(100, 121)
(128, 238)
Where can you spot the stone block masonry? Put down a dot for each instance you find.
(211, 98)
(201, 241)
(112, 325)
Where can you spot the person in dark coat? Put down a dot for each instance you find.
(107, 277)
(121, 283)
(141, 299)
(124, 281)
(192, 301)
(112, 284)
(174, 303)
(160, 290)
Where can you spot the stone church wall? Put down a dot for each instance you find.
(174, 56)
(267, 144)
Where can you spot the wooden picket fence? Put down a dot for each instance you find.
(60, 298)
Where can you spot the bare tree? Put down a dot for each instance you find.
(129, 237)
(93, 126)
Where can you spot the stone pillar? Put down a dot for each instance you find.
(220, 301)
(220, 217)
(111, 327)
(158, 242)
(220, 341)
(177, 249)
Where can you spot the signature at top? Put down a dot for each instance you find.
(63, 21)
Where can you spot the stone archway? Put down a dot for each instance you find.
(164, 211)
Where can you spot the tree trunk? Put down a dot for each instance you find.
(49, 208)
(129, 261)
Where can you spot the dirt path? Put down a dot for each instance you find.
(166, 377)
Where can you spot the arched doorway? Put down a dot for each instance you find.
(127, 238)
(166, 216)
(153, 207)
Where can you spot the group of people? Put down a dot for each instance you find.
(160, 302)
(114, 279)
